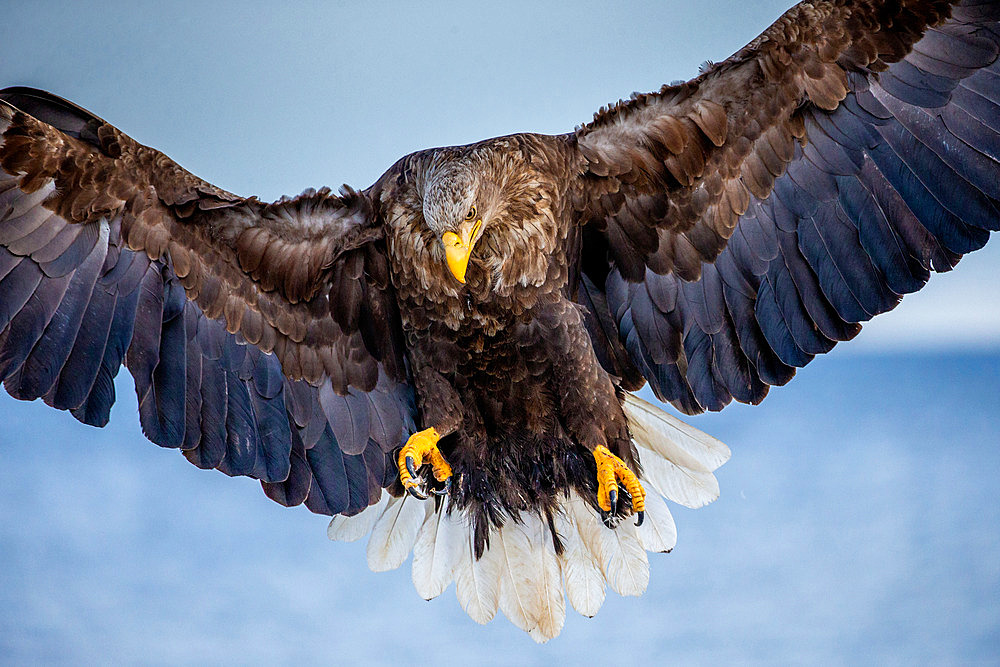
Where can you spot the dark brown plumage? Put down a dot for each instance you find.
(708, 238)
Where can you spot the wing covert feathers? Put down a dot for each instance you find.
(520, 573)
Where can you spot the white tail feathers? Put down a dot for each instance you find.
(671, 438)
(520, 573)
(684, 486)
(582, 572)
(353, 528)
(437, 551)
(477, 582)
(658, 532)
(395, 532)
(677, 459)
(531, 593)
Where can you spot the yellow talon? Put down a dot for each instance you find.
(611, 471)
(421, 447)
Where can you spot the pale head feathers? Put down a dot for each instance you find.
(520, 232)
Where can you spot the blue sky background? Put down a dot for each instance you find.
(859, 516)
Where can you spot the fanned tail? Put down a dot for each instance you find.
(520, 572)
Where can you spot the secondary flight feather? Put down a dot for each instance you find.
(442, 360)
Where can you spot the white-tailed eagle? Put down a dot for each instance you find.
(443, 360)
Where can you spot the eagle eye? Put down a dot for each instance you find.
(471, 214)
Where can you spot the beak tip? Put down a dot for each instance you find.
(458, 249)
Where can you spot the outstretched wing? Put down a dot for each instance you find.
(264, 339)
(739, 224)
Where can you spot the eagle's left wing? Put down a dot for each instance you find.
(739, 224)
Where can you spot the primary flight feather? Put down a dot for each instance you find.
(488, 307)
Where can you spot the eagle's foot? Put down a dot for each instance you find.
(612, 471)
(422, 448)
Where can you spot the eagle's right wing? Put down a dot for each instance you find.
(264, 339)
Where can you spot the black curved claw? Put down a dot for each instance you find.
(416, 494)
(613, 497)
(409, 467)
(445, 490)
(639, 520)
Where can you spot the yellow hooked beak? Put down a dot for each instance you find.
(458, 249)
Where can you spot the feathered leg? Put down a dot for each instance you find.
(591, 409)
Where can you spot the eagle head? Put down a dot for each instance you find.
(489, 213)
(454, 205)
